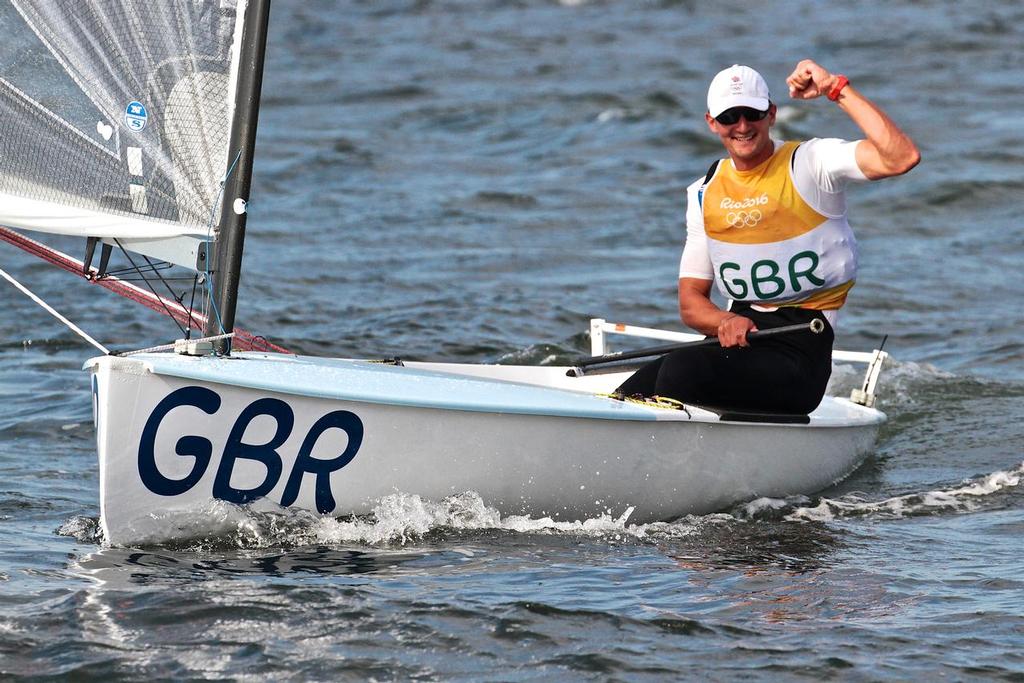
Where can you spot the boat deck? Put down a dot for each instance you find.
(533, 390)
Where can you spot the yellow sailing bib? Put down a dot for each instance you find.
(768, 245)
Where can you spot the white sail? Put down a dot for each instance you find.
(115, 116)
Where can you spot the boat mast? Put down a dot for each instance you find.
(242, 144)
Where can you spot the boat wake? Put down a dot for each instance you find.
(900, 384)
(969, 496)
(400, 519)
(397, 519)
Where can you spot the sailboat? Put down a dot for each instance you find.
(135, 131)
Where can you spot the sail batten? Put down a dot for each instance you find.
(158, 80)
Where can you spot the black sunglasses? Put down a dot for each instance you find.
(731, 116)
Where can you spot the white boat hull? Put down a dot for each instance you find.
(176, 434)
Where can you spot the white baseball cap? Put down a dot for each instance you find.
(737, 86)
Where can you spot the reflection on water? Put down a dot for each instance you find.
(756, 547)
(121, 568)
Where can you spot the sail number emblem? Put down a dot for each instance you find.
(199, 450)
(135, 116)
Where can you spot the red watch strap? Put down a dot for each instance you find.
(841, 83)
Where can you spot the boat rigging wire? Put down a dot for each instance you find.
(151, 289)
(192, 303)
(119, 272)
(211, 296)
(52, 311)
(166, 282)
(246, 341)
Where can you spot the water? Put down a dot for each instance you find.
(472, 181)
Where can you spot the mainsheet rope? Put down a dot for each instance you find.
(80, 332)
(52, 311)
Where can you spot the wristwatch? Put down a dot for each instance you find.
(841, 82)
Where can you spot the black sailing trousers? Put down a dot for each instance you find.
(786, 373)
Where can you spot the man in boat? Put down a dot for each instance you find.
(768, 226)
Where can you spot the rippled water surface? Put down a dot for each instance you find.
(472, 181)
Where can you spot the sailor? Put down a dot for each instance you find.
(768, 227)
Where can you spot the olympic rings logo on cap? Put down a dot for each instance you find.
(743, 219)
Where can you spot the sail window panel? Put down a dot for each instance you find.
(138, 197)
(137, 113)
(134, 156)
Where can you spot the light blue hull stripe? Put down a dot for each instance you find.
(346, 380)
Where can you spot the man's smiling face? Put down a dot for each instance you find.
(747, 142)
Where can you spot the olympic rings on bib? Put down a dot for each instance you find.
(743, 219)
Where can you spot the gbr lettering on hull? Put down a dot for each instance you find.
(200, 449)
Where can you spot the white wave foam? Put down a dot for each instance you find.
(963, 498)
(85, 529)
(397, 519)
(613, 114)
(534, 354)
(762, 506)
(788, 114)
(400, 517)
